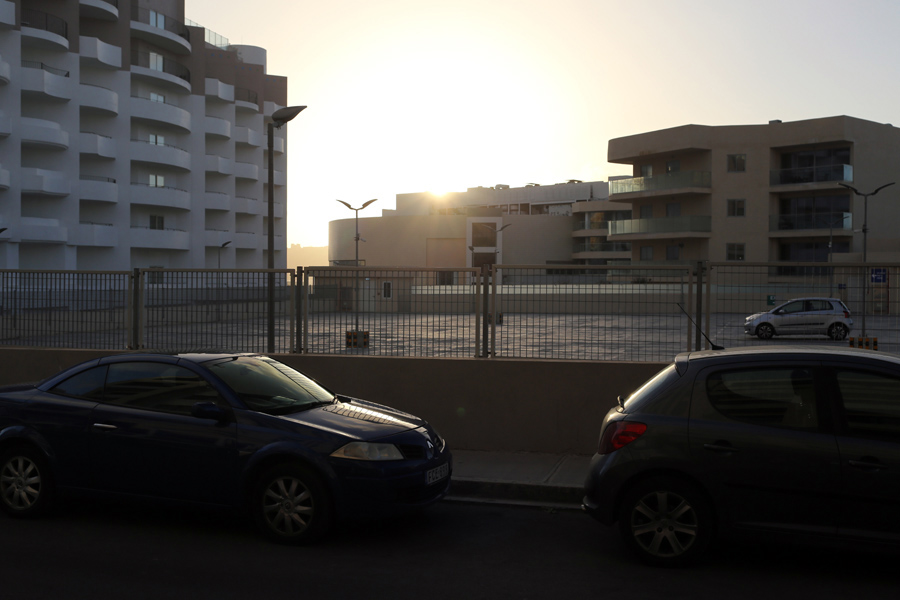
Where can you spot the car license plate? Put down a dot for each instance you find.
(437, 473)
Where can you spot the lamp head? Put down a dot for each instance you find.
(283, 115)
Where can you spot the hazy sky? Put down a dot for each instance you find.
(435, 95)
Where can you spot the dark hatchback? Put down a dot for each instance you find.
(802, 442)
(242, 431)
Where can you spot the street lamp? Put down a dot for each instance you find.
(865, 232)
(220, 253)
(356, 264)
(279, 118)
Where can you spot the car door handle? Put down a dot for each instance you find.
(104, 426)
(721, 447)
(867, 464)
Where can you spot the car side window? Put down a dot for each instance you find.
(793, 307)
(87, 384)
(870, 402)
(819, 305)
(774, 397)
(156, 386)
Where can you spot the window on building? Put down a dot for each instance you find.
(673, 209)
(157, 222)
(156, 61)
(673, 252)
(157, 180)
(734, 251)
(647, 211)
(154, 97)
(387, 290)
(646, 170)
(484, 235)
(673, 166)
(157, 19)
(737, 163)
(157, 140)
(736, 208)
(646, 252)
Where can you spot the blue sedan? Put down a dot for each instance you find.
(233, 430)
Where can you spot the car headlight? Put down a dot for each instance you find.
(368, 451)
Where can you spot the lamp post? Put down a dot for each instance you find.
(279, 118)
(356, 263)
(865, 232)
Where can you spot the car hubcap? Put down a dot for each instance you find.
(288, 506)
(20, 483)
(664, 524)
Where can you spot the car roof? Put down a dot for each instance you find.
(762, 352)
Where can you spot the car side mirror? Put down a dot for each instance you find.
(209, 410)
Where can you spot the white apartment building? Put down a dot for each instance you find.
(131, 138)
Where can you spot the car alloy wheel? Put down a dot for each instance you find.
(765, 331)
(665, 521)
(837, 331)
(291, 505)
(25, 484)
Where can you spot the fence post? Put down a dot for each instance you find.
(699, 318)
(136, 310)
(485, 276)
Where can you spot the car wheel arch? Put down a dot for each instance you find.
(257, 468)
(679, 475)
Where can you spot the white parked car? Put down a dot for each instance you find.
(802, 316)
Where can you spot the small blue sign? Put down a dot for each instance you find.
(879, 275)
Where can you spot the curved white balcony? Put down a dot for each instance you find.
(98, 98)
(161, 77)
(5, 125)
(216, 127)
(102, 10)
(278, 177)
(248, 206)
(4, 71)
(162, 239)
(94, 234)
(216, 90)
(248, 136)
(142, 108)
(160, 196)
(217, 200)
(100, 53)
(158, 36)
(7, 14)
(246, 239)
(40, 132)
(97, 145)
(144, 151)
(245, 170)
(44, 182)
(4, 178)
(246, 105)
(98, 189)
(36, 37)
(36, 229)
(219, 164)
(277, 144)
(52, 85)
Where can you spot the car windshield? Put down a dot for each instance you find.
(270, 387)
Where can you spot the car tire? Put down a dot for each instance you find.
(765, 331)
(837, 331)
(26, 484)
(666, 521)
(291, 505)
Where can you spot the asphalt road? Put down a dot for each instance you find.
(453, 550)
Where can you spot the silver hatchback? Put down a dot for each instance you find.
(802, 316)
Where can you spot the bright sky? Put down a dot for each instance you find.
(436, 95)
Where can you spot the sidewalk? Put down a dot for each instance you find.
(553, 480)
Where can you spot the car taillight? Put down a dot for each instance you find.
(620, 433)
(846, 314)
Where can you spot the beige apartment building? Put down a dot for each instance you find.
(759, 192)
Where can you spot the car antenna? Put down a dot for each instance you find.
(712, 344)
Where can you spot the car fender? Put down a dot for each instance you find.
(285, 451)
(13, 434)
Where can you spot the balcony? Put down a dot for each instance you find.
(100, 99)
(808, 175)
(7, 15)
(43, 30)
(247, 100)
(42, 133)
(815, 223)
(160, 69)
(160, 112)
(246, 239)
(682, 182)
(46, 81)
(245, 205)
(4, 72)
(97, 53)
(685, 226)
(248, 136)
(601, 247)
(216, 127)
(142, 193)
(87, 233)
(217, 200)
(100, 189)
(160, 154)
(216, 237)
(161, 239)
(102, 10)
(219, 165)
(216, 90)
(97, 145)
(37, 229)
(45, 182)
(245, 170)
(4, 178)
(160, 30)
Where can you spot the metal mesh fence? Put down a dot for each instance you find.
(65, 309)
(391, 312)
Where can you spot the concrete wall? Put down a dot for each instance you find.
(476, 404)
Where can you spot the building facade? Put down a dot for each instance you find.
(130, 137)
(759, 193)
(566, 223)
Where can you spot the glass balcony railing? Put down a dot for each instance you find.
(842, 221)
(811, 175)
(686, 224)
(669, 181)
(156, 62)
(601, 247)
(40, 20)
